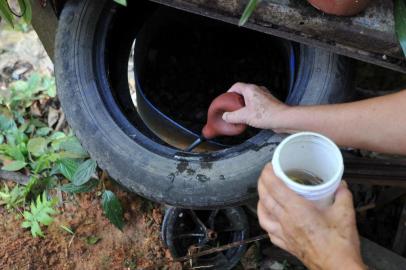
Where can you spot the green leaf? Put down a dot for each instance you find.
(37, 146)
(41, 212)
(112, 209)
(36, 229)
(72, 146)
(5, 12)
(67, 167)
(67, 229)
(89, 186)
(7, 124)
(44, 131)
(92, 240)
(121, 2)
(25, 7)
(15, 153)
(249, 9)
(57, 135)
(400, 23)
(15, 165)
(12, 199)
(85, 170)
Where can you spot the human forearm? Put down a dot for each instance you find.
(377, 124)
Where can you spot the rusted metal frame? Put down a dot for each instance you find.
(368, 37)
(399, 244)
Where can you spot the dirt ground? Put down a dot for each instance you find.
(95, 244)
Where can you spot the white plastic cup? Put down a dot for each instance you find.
(314, 153)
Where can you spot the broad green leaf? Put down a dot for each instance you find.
(19, 86)
(86, 187)
(37, 146)
(249, 9)
(51, 91)
(121, 2)
(44, 131)
(85, 170)
(67, 167)
(7, 124)
(400, 23)
(15, 165)
(73, 146)
(41, 164)
(37, 123)
(5, 12)
(15, 152)
(33, 83)
(57, 135)
(112, 209)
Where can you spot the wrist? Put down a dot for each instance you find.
(345, 261)
(284, 120)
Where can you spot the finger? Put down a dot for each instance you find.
(277, 241)
(278, 190)
(264, 89)
(343, 197)
(267, 223)
(261, 207)
(236, 117)
(238, 88)
(270, 205)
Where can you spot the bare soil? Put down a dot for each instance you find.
(137, 246)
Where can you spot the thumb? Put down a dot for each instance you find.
(236, 117)
(343, 197)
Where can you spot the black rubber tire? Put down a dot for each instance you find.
(178, 179)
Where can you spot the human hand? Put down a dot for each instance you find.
(321, 239)
(262, 109)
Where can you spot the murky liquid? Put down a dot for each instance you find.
(304, 177)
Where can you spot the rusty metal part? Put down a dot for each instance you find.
(369, 36)
(194, 255)
(187, 232)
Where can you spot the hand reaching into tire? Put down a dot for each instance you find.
(262, 109)
(321, 239)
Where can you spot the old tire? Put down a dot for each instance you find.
(136, 161)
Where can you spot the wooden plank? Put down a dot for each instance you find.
(368, 37)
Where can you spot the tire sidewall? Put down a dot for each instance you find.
(187, 181)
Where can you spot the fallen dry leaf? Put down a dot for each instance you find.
(53, 116)
(35, 110)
